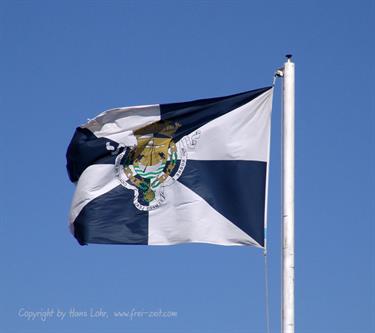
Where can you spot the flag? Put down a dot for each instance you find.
(173, 173)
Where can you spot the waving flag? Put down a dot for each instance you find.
(173, 173)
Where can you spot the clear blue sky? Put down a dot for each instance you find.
(62, 62)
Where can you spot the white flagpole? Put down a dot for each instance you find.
(287, 312)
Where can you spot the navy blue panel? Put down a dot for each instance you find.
(112, 219)
(236, 189)
(194, 114)
(86, 149)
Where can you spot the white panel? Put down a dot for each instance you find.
(96, 180)
(119, 124)
(185, 217)
(242, 134)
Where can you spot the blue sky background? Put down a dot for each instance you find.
(62, 62)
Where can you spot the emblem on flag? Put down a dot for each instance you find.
(153, 162)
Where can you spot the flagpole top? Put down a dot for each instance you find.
(289, 57)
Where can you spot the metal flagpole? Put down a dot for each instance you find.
(287, 312)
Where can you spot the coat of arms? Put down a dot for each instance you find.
(154, 162)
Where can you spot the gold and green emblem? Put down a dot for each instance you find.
(154, 161)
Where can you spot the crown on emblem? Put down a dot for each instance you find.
(160, 128)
